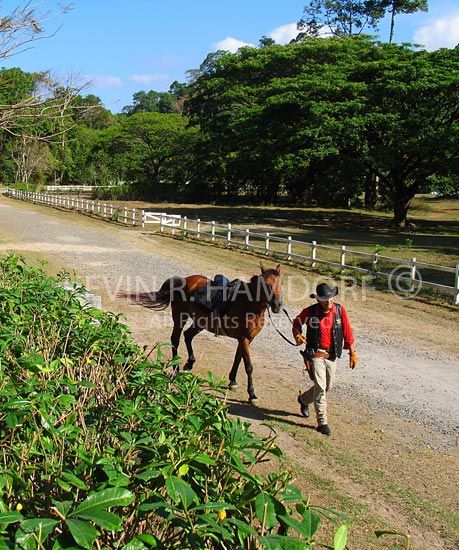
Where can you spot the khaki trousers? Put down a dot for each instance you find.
(324, 374)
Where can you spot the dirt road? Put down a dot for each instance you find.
(393, 458)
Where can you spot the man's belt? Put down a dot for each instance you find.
(324, 353)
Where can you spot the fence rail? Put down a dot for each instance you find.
(397, 271)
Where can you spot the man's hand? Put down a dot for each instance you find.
(353, 359)
(300, 339)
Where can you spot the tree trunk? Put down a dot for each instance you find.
(400, 214)
(371, 190)
(402, 194)
(392, 23)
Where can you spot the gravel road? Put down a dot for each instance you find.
(392, 375)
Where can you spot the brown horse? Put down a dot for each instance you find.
(242, 315)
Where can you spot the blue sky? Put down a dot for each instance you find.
(123, 47)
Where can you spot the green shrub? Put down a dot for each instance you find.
(102, 448)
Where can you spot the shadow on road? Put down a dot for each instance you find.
(244, 409)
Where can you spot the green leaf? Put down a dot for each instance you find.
(291, 494)
(340, 538)
(34, 530)
(63, 507)
(149, 474)
(243, 527)
(204, 459)
(264, 508)
(104, 499)
(180, 491)
(278, 542)
(74, 480)
(106, 520)
(83, 532)
(300, 527)
(10, 517)
(183, 470)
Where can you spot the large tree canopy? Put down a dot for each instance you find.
(317, 118)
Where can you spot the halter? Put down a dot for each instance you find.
(274, 299)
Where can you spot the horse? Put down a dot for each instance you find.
(241, 316)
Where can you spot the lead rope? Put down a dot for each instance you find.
(305, 378)
(277, 330)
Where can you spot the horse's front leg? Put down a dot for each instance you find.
(243, 352)
(233, 374)
(189, 334)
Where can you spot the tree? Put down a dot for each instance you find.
(47, 99)
(152, 102)
(403, 6)
(348, 17)
(411, 120)
(340, 17)
(324, 118)
(150, 149)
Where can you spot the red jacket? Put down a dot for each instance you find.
(316, 318)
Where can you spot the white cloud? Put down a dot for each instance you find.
(149, 78)
(108, 82)
(441, 33)
(285, 33)
(230, 44)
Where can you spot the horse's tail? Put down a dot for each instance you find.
(158, 299)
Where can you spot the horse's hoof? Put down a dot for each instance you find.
(232, 385)
(253, 400)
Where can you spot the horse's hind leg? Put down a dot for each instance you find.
(179, 323)
(189, 334)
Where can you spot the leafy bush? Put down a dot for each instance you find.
(104, 448)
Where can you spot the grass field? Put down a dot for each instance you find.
(432, 237)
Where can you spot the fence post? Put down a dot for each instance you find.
(125, 214)
(212, 232)
(313, 253)
(289, 248)
(412, 274)
(456, 286)
(247, 238)
(143, 218)
(228, 235)
(185, 223)
(267, 244)
(133, 216)
(343, 257)
(198, 228)
(161, 226)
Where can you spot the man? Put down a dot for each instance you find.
(328, 332)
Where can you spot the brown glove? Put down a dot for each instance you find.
(353, 360)
(300, 339)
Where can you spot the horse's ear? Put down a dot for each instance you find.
(278, 268)
(262, 267)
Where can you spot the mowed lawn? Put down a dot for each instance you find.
(432, 237)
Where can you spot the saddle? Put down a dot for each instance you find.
(215, 295)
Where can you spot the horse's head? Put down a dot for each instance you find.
(272, 283)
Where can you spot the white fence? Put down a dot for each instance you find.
(398, 271)
(161, 218)
(77, 188)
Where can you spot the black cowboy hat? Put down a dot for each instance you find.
(324, 292)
